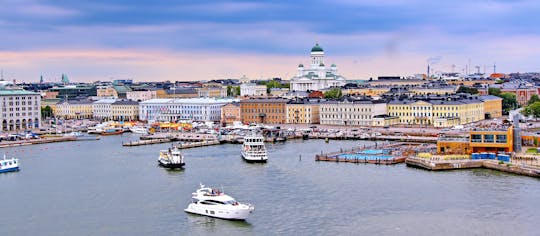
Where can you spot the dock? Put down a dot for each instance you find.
(197, 144)
(385, 154)
(6, 144)
(438, 165)
(146, 142)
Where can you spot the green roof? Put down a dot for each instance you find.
(316, 48)
(7, 92)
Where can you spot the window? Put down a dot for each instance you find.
(476, 138)
(489, 138)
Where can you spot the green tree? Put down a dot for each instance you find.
(494, 92)
(509, 102)
(236, 90)
(465, 89)
(46, 112)
(333, 93)
(533, 99)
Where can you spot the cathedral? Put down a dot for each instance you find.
(317, 76)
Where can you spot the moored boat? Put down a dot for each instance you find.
(171, 158)
(215, 203)
(112, 131)
(253, 149)
(9, 165)
(139, 130)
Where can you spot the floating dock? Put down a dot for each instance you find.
(197, 144)
(386, 154)
(146, 142)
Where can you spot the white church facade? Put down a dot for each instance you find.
(317, 76)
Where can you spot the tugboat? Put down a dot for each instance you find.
(171, 158)
(253, 149)
(8, 165)
(215, 203)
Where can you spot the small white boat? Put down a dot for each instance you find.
(215, 203)
(171, 158)
(253, 149)
(138, 130)
(8, 165)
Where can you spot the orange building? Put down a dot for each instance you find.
(263, 110)
(492, 106)
(500, 140)
(230, 113)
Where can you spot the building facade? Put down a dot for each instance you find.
(20, 109)
(230, 113)
(74, 109)
(252, 89)
(303, 111)
(351, 111)
(141, 95)
(263, 110)
(107, 92)
(102, 109)
(196, 109)
(212, 92)
(318, 76)
(125, 110)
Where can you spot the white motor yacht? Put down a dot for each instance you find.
(213, 202)
(139, 130)
(253, 149)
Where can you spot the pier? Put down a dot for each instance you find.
(5, 144)
(385, 154)
(197, 144)
(146, 142)
(437, 165)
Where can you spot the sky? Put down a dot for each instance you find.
(203, 40)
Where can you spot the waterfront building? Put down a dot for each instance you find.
(351, 111)
(303, 111)
(125, 110)
(493, 140)
(439, 111)
(252, 89)
(20, 109)
(102, 109)
(523, 91)
(215, 91)
(230, 113)
(263, 110)
(385, 120)
(141, 95)
(196, 109)
(318, 76)
(74, 109)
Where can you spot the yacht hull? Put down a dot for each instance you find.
(171, 165)
(249, 159)
(227, 214)
(12, 169)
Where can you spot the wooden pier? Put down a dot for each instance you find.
(197, 144)
(5, 144)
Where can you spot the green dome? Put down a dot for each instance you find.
(333, 65)
(316, 48)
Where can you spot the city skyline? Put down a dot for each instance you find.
(197, 40)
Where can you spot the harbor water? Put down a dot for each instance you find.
(102, 188)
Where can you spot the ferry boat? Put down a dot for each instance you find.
(253, 149)
(171, 158)
(8, 165)
(215, 203)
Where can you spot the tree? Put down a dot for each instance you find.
(333, 93)
(465, 89)
(509, 102)
(233, 91)
(533, 99)
(237, 90)
(494, 92)
(46, 112)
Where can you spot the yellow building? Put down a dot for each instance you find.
(439, 112)
(433, 91)
(488, 140)
(212, 92)
(492, 106)
(372, 91)
(74, 109)
(303, 111)
(230, 113)
(125, 110)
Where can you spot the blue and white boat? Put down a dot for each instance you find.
(8, 165)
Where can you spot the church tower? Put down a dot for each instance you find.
(317, 56)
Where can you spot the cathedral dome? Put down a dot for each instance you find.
(316, 48)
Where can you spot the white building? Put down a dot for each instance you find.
(19, 109)
(141, 95)
(252, 89)
(318, 76)
(196, 109)
(102, 109)
(351, 111)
